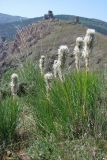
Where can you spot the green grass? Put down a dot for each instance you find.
(73, 113)
(73, 108)
(73, 105)
(9, 113)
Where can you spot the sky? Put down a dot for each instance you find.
(35, 8)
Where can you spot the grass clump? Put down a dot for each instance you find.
(29, 74)
(9, 113)
(72, 108)
(76, 102)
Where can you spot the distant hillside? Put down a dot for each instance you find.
(45, 38)
(9, 29)
(5, 18)
(99, 25)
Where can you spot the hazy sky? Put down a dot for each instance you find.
(34, 8)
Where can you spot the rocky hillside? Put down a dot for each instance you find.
(44, 38)
(9, 30)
